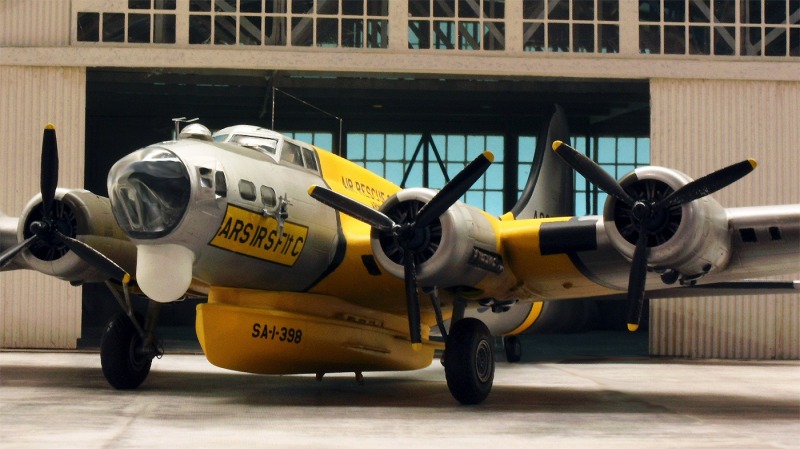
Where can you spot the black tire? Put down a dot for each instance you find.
(469, 361)
(124, 366)
(513, 348)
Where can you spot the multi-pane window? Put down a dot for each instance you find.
(142, 22)
(722, 27)
(584, 26)
(456, 24)
(322, 140)
(296, 23)
(617, 155)
(391, 155)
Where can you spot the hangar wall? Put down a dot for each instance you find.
(698, 126)
(39, 311)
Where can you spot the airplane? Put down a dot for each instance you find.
(313, 264)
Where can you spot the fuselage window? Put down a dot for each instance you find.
(220, 138)
(247, 190)
(291, 154)
(268, 196)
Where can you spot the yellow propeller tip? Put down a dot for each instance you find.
(633, 327)
(311, 189)
(50, 126)
(753, 162)
(556, 144)
(488, 155)
(416, 346)
(126, 279)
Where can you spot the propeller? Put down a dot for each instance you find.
(46, 230)
(644, 210)
(410, 234)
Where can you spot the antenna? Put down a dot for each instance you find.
(180, 120)
(341, 120)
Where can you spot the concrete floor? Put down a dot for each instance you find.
(60, 399)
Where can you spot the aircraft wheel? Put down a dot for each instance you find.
(125, 366)
(469, 361)
(513, 348)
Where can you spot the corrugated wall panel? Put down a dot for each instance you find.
(39, 311)
(698, 126)
(30, 23)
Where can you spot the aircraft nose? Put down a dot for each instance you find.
(149, 191)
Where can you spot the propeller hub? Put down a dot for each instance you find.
(640, 210)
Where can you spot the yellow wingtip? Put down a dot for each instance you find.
(416, 346)
(556, 144)
(753, 162)
(633, 327)
(488, 155)
(50, 126)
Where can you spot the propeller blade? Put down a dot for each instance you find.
(12, 252)
(49, 174)
(454, 189)
(709, 183)
(351, 207)
(592, 172)
(94, 258)
(638, 276)
(412, 299)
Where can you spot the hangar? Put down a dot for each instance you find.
(691, 84)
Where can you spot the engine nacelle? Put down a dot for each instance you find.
(83, 215)
(459, 248)
(691, 239)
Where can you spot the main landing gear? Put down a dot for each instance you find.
(127, 349)
(469, 361)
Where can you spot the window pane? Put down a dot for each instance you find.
(419, 34)
(328, 7)
(199, 29)
(583, 38)
(302, 31)
(649, 11)
(250, 30)
(583, 10)
(608, 10)
(750, 11)
(200, 5)
(608, 38)
(776, 42)
(469, 9)
(700, 40)
(674, 40)
(419, 8)
(275, 30)
(378, 8)
(558, 9)
(494, 9)
(774, 11)
(494, 37)
(139, 28)
(649, 39)
(674, 10)
(377, 33)
(355, 146)
(558, 37)
(302, 6)
(444, 33)
(751, 41)
(224, 30)
(444, 8)
(251, 5)
(327, 32)
(113, 27)
(88, 27)
(724, 40)
(725, 11)
(533, 9)
(699, 11)
(534, 36)
(164, 28)
(469, 35)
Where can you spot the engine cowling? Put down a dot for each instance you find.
(691, 239)
(458, 249)
(83, 215)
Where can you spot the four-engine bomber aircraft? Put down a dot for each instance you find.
(312, 264)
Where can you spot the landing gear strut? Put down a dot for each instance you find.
(469, 361)
(127, 350)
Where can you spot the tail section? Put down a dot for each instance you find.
(549, 191)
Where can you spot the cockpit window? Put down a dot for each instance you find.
(263, 144)
(220, 137)
(291, 154)
(310, 159)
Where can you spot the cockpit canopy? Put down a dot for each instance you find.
(273, 144)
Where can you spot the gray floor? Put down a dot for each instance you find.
(60, 399)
